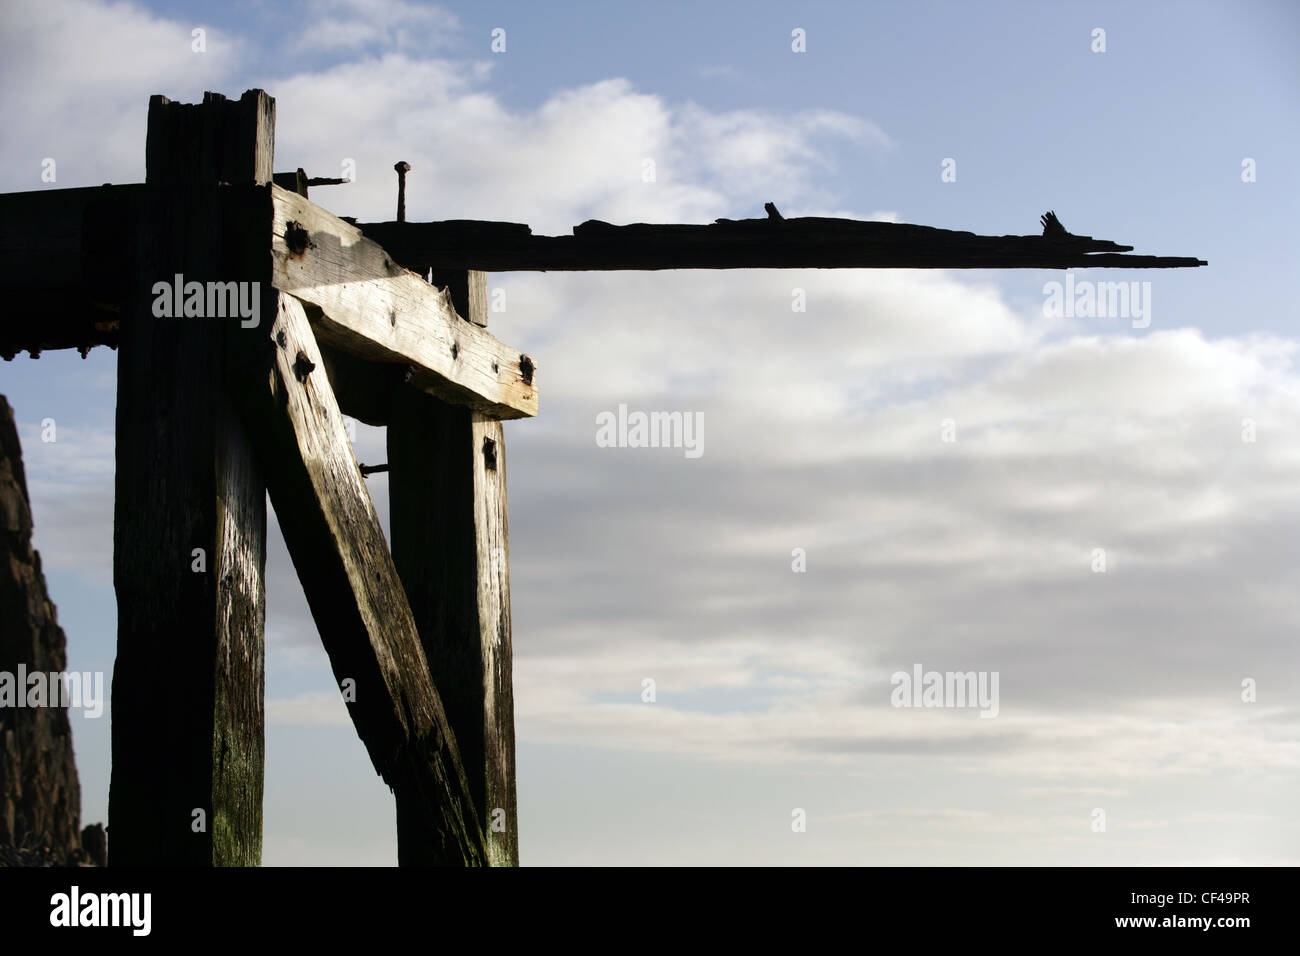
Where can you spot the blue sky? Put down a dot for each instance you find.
(1119, 691)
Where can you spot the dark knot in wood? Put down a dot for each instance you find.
(302, 367)
(297, 238)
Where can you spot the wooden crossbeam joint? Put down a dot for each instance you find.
(361, 302)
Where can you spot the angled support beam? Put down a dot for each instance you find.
(189, 527)
(447, 495)
(362, 302)
(352, 587)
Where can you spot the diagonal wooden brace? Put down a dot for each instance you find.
(356, 598)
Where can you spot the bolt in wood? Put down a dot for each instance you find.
(402, 169)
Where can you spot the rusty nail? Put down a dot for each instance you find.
(402, 169)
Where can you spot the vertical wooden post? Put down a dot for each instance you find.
(189, 530)
(447, 492)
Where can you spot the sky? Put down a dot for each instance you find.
(917, 469)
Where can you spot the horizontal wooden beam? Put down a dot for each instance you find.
(804, 243)
(65, 264)
(61, 238)
(63, 259)
(352, 587)
(361, 301)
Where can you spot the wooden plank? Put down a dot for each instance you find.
(365, 390)
(448, 527)
(352, 587)
(370, 306)
(189, 524)
(801, 243)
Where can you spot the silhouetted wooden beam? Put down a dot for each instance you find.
(298, 181)
(295, 182)
(70, 242)
(807, 243)
(36, 322)
(65, 266)
(63, 238)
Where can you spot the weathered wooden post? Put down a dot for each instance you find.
(448, 529)
(189, 536)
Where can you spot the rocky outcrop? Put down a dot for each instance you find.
(40, 797)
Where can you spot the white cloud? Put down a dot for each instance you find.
(352, 25)
(581, 154)
(77, 77)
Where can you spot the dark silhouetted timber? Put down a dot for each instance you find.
(808, 242)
